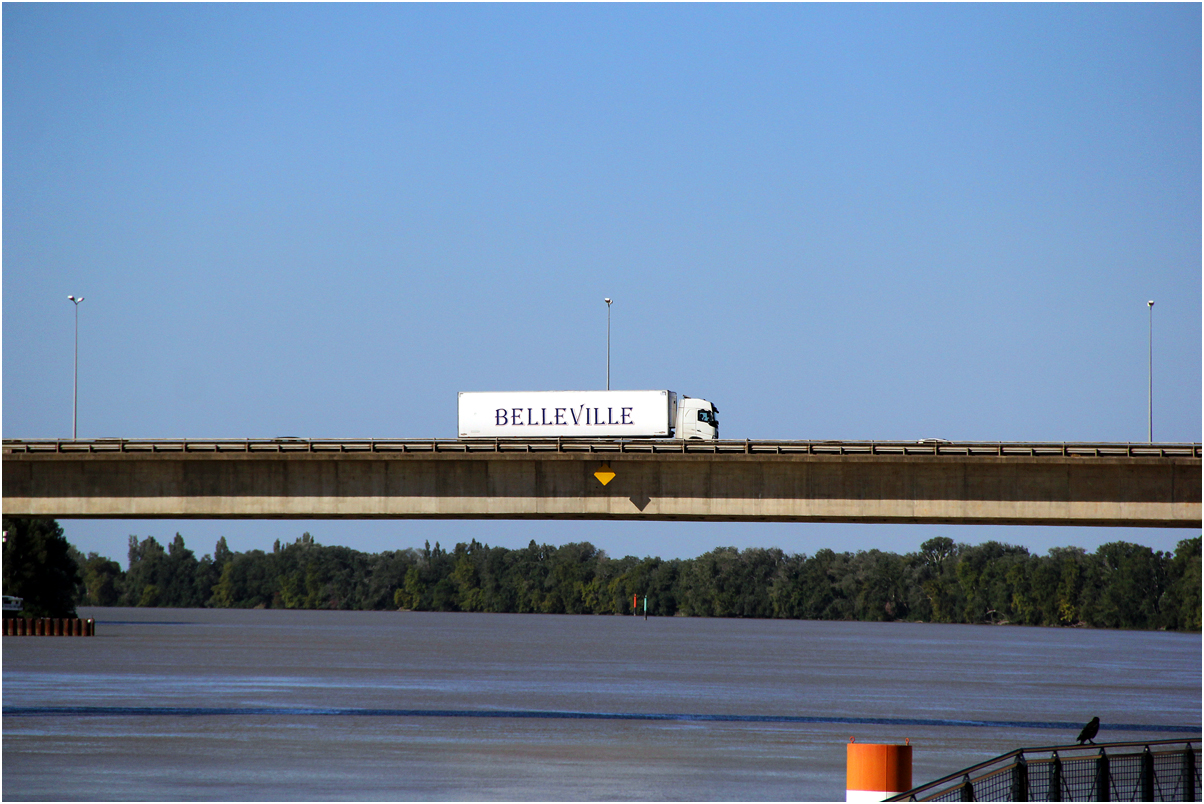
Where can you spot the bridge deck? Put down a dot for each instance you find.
(1157, 485)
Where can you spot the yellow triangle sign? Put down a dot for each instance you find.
(604, 474)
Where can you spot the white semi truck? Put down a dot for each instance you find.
(586, 414)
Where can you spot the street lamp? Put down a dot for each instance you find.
(1150, 303)
(607, 343)
(75, 391)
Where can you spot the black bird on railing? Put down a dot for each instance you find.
(1089, 731)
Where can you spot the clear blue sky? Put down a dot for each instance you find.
(833, 221)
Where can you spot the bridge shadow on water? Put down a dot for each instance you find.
(283, 711)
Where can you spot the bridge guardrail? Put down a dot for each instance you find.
(590, 446)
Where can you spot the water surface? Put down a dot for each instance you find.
(299, 705)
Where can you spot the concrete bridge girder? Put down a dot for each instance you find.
(1071, 490)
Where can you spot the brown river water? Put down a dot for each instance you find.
(204, 704)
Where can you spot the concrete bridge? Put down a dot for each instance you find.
(1155, 485)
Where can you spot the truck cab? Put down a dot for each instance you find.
(696, 418)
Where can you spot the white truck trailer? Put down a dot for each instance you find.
(585, 414)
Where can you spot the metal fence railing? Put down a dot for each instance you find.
(288, 444)
(1166, 770)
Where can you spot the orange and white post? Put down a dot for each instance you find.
(876, 771)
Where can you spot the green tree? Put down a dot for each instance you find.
(38, 567)
(150, 595)
(1182, 608)
(386, 573)
(467, 581)
(1131, 580)
(411, 594)
(524, 574)
(982, 575)
(204, 577)
(824, 591)
(708, 584)
(145, 560)
(880, 592)
(492, 565)
(619, 581)
(1070, 580)
(103, 581)
(729, 583)
(569, 569)
(938, 559)
(1121, 585)
(786, 590)
(248, 580)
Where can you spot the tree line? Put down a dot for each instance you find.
(1120, 585)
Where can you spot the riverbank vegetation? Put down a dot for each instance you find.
(1120, 585)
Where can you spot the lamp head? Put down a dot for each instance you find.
(608, 301)
(1150, 302)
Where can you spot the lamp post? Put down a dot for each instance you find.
(1150, 433)
(607, 343)
(75, 388)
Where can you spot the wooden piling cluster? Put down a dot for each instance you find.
(49, 626)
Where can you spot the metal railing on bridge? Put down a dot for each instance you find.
(934, 447)
(1166, 770)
